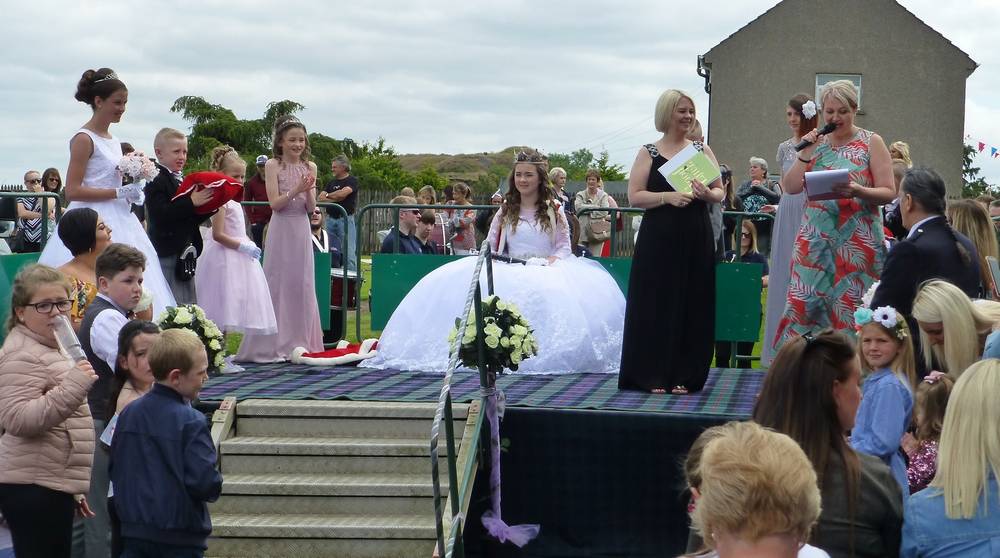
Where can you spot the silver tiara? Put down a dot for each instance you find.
(108, 77)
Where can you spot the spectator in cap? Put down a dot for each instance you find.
(258, 215)
(342, 190)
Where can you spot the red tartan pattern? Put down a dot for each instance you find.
(839, 251)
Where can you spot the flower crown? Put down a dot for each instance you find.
(886, 316)
(108, 77)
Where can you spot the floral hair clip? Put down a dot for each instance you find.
(808, 109)
(885, 316)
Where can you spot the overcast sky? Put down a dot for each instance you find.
(430, 77)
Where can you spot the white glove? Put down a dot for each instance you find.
(130, 192)
(250, 249)
(537, 261)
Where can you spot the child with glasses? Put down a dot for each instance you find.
(48, 439)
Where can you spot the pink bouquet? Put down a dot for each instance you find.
(136, 166)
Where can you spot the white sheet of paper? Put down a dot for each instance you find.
(677, 160)
(819, 184)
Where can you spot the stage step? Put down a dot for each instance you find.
(339, 479)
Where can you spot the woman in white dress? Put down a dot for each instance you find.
(93, 180)
(573, 305)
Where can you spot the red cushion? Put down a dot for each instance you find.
(223, 189)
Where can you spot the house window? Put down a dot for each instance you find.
(823, 79)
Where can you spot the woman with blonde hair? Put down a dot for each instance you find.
(957, 514)
(670, 314)
(757, 494)
(952, 326)
(971, 219)
(901, 150)
(840, 248)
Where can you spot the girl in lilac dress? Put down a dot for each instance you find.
(233, 289)
(290, 179)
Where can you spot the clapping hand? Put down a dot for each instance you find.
(308, 182)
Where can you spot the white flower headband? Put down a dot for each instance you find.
(809, 109)
(886, 316)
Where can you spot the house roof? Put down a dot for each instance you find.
(972, 63)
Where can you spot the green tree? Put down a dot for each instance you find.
(213, 125)
(429, 176)
(608, 170)
(375, 164)
(577, 163)
(973, 185)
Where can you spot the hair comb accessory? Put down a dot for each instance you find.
(934, 377)
(809, 337)
(108, 77)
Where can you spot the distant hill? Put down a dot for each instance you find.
(467, 167)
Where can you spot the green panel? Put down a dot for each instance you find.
(321, 269)
(9, 266)
(619, 268)
(737, 301)
(393, 275)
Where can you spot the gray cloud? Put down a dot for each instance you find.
(439, 77)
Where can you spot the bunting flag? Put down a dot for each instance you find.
(992, 150)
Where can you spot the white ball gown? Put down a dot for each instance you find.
(574, 306)
(102, 172)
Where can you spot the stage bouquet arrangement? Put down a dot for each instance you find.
(192, 317)
(508, 337)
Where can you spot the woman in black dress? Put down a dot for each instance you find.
(670, 311)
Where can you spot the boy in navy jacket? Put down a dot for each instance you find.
(162, 456)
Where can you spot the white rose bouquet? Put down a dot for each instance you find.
(192, 317)
(136, 166)
(508, 337)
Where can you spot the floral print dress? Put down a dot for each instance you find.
(839, 251)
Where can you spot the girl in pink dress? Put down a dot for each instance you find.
(290, 179)
(233, 289)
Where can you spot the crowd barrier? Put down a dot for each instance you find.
(738, 286)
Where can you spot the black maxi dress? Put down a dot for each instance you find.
(670, 309)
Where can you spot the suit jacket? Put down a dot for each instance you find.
(172, 225)
(930, 253)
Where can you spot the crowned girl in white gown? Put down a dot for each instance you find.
(574, 306)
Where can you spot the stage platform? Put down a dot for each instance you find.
(597, 468)
(729, 393)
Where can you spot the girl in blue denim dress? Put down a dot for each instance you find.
(887, 393)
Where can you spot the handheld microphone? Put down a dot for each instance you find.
(830, 126)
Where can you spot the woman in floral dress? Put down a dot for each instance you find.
(840, 249)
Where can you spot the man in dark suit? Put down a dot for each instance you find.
(931, 250)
